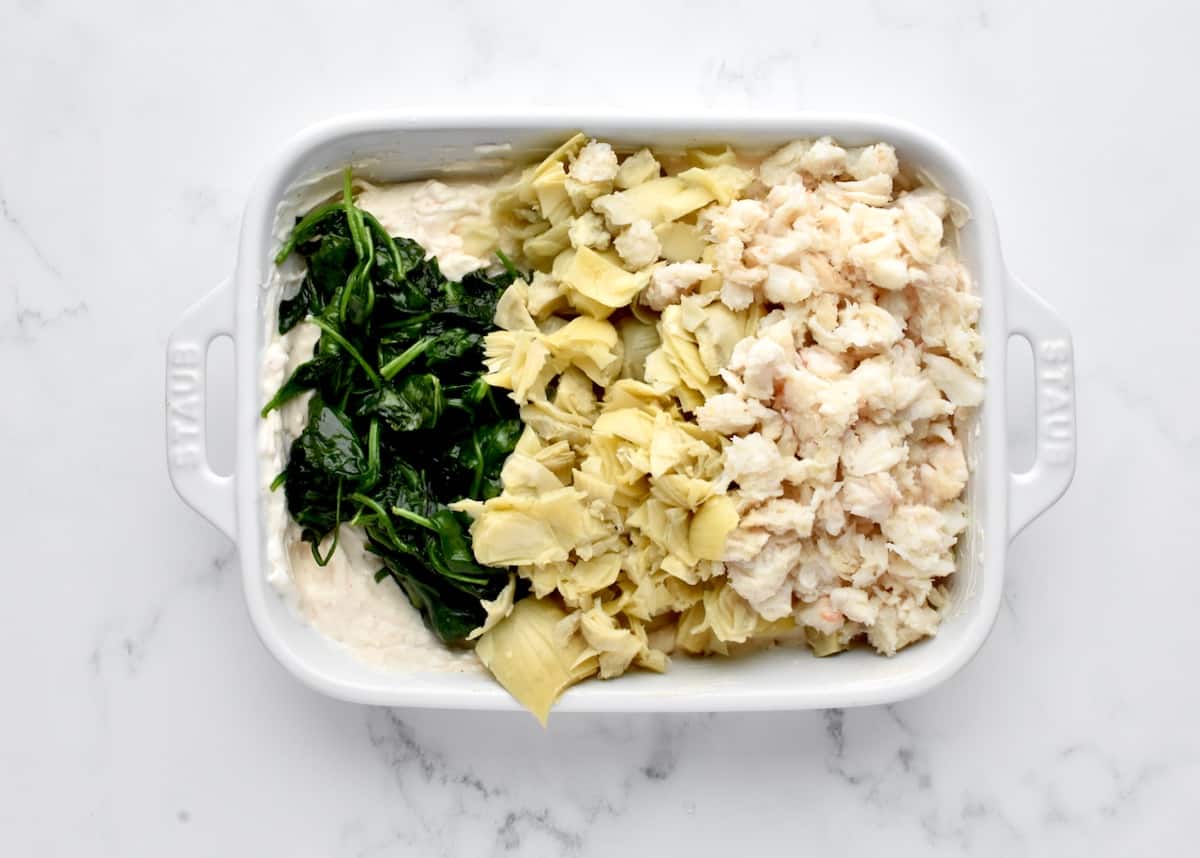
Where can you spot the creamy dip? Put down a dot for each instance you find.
(342, 599)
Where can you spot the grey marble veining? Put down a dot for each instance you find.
(144, 718)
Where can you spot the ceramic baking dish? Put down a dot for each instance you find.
(396, 147)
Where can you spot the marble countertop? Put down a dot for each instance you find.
(143, 718)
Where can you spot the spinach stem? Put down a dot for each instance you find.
(477, 479)
(508, 264)
(381, 514)
(353, 220)
(350, 350)
(337, 527)
(372, 455)
(414, 518)
(388, 242)
(362, 248)
(284, 395)
(491, 400)
(389, 370)
(361, 272)
(276, 401)
(299, 230)
(408, 323)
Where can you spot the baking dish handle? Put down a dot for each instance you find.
(206, 491)
(1033, 492)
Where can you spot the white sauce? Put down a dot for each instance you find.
(437, 216)
(342, 599)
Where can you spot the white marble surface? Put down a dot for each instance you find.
(143, 718)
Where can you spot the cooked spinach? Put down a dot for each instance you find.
(401, 422)
(416, 403)
(330, 443)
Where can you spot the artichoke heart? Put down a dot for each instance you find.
(659, 200)
(524, 654)
(596, 284)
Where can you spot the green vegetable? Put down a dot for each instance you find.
(449, 616)
(483, 454)
(417, 404)
(292, 310)
(308, 376)
(330, 443)
(401, 422)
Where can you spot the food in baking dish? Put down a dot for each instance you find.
(608, 409)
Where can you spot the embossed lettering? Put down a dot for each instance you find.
(1059, 428)
(185, 405)
(183, 380)
(185, 455)
(1055, 351)
(1057, 422)
(1056, 397)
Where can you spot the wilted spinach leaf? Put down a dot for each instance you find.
(294, 309)
(449, 613)
(483, 453)
(410, 253)
(308, 376)
(451, 345)
(311, 494)
(330, 443)
(405, 487)
(416, 403)
(330, 264)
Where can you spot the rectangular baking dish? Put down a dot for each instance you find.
(395, 147)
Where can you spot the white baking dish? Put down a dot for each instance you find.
(395, 147)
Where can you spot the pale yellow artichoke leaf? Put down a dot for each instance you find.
(711, 526)
(824, 643)
(723, 182)
(512, 310)
(545, 296)
(592, 345)
(522, 473)
(731, 618)
(510, 537)
(711, 156)
(599, 280)
(630, 393)
(630, 424)
(637, 168)
(553, 423)
(583, 578)
(659, 200)
(496, 609)
(567, 150)
(617, 646)
(541, 250)
(639, 340)
(681, 242)
(523, 655)
(576, 393)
